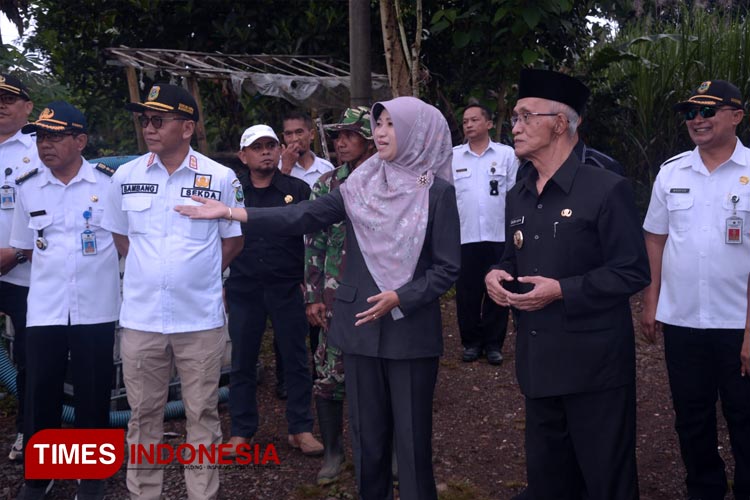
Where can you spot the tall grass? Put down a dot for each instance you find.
(648, 68)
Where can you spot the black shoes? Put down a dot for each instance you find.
(494, 357)
(471, 354)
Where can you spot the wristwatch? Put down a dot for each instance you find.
(21, 257)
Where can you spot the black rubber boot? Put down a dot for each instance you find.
(331, 422)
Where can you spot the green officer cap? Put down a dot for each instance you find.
(356, 119)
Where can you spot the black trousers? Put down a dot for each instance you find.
(91, 352)
(13, 304)
(314, 333)
(249, 308)
(481, 322)
(703, 366)
(582, 446)
(391, 398)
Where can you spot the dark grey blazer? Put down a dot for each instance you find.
(419, 333)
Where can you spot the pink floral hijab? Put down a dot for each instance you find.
(387, 201)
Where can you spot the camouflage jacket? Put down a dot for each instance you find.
(324, 250)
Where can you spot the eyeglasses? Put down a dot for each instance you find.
(704, 111)
(53, 137)
(157, 121)
(258, 147)
(8, 99)
(524, 117)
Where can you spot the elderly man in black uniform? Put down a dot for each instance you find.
(577, 255)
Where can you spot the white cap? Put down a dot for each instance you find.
(256, 132)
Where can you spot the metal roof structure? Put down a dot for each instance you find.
(312, 81)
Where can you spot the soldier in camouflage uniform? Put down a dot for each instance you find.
(324, 263)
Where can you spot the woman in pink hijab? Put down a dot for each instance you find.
(405, 254)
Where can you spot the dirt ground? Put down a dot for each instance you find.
(477, 439)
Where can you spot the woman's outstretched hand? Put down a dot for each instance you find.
(211, 209)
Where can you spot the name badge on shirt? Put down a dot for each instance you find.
(88, 242)
(7, 197)
(733, 235)
(88, 238)
(517, 221)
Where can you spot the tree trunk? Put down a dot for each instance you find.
(396, 64)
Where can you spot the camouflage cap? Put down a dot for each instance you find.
(356, 119)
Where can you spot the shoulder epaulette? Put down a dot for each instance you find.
(101, 167)
(676, 157)
(28, 175)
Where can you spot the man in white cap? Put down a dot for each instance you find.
(265, 281)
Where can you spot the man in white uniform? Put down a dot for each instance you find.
(75, 282)
(696, 233)
(172, 308)
(18, 152)
(483, 173)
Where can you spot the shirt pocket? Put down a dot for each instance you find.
(460, 174)
(194, 229)
(40, 222)
(679, 206)
(346, 293)
(137, 209)
(497, 172)
(97, 215)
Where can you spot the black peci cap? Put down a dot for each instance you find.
(554, 86)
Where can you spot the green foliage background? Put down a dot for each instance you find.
(648, 56)
(649, 67)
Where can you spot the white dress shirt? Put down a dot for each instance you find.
(703, 279)
(19, 155)
(319, 167)
(65, 282)
(483, 214)
(172, 281)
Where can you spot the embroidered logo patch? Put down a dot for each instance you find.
(202, 181)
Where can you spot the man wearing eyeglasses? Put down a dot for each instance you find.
(265, 281)
(19, 155)
(172, 309)
(696, 231)
(74, 293)
(575, 255)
